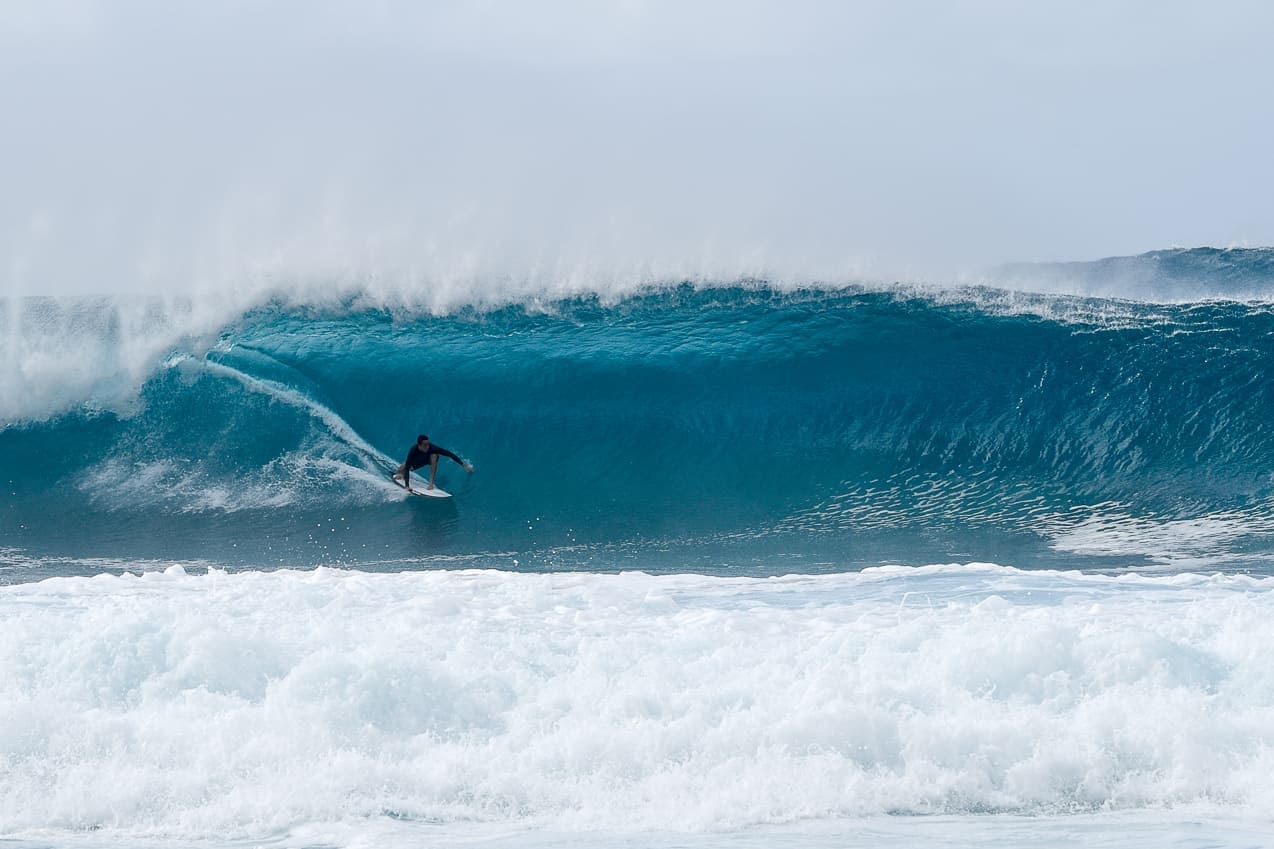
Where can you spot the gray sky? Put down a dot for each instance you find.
(183, 145)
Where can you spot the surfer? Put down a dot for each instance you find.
(425, 453)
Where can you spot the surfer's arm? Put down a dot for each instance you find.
(462, 463)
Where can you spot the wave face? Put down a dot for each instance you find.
(740, 428)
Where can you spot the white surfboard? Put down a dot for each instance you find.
(419, 488)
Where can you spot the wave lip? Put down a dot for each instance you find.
(66, 353)
(625, 701)
(92, 353)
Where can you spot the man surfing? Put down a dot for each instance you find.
(425, 453)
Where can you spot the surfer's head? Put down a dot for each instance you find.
(422, 440)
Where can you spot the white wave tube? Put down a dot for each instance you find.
(266, 704)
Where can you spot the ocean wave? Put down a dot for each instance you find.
(63, 354)
(659, 417)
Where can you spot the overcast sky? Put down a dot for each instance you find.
(148, 145)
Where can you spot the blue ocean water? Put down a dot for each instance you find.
(737, 429)
(734, 558)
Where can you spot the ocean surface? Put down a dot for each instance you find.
(929, 563)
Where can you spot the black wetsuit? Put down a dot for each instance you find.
(417, 459)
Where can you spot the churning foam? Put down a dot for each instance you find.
(65, 353)
(235, 705)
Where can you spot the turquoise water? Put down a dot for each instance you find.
(684, 428)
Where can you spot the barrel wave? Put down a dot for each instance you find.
(744, 428)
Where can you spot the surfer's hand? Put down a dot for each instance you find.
(468, 468)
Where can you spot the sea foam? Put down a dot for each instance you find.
(237, 705)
